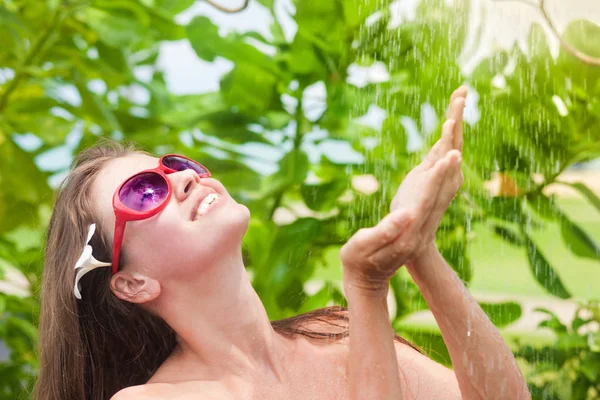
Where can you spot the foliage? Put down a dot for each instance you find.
(74, 70)
(570, 368)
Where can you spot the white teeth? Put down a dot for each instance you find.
(206, 203)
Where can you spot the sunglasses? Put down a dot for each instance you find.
(146, 194)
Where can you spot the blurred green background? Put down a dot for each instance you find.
(311, 112)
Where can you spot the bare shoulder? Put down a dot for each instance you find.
(424, 377)
(142, 392)
(160, 391)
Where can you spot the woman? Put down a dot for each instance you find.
(174, 316)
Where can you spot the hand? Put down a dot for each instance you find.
(413, 193)
(373, 255)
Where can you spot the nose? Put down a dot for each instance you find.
(183, 183)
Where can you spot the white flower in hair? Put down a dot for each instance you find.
(86, 261)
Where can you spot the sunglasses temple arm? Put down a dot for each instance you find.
(118, 240)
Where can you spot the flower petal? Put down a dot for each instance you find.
(81, 273)
(85, 255)
(91, 231)
(97, 263)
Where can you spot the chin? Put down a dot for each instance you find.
(236, 218)
(243, 213)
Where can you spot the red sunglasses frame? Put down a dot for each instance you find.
(124, 214)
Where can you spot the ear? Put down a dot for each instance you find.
(135, 288)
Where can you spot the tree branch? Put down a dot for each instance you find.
(585, 58)
(229, 10)
(567, 46)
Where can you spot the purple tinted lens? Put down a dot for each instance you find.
(180, 164)
(144, 192)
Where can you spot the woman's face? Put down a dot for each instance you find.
(178, 242)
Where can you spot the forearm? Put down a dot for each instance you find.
(483, 363)
(372, 363)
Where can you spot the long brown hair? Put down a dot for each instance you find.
(94, 347)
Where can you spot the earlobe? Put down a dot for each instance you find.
(135, 288)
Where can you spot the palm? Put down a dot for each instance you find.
(411, 191)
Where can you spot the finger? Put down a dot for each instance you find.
(442, 146)
(398, 250)
(367, 240)
(389, 228)
(430, 192)
(455, 112)
(456, 109)
(460, 92)
(453, 178)
(447, 191)
(458, 127)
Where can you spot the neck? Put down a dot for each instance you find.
(222, 324)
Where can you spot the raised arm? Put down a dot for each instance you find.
(484, 366)
(483, 363)
(370, 259)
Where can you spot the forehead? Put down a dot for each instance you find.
(114, 173)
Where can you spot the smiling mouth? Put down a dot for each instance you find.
(204, 205)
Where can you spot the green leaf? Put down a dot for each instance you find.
(543, 272)
(323, 197)
(25, 238)
(502, 314)
(356, 11)
(95, 107)
(113, 57)
(319, 299)
(578, 241)
(586, 192)
(408, 297)
(453, 246)
(205, 39)
(267, 3)
(277, 120)
(293, 169)
(571, 342)
(174, 7)
(552, 322)
(579, 322)
(550, 354)
(114, 29)
(544, 206)
(250, 88)
(590, 366)
(12, 34)
(188, 110)
(292, 295)
(432, 343)
(593, 341)
(258, 240)
(509, 235)
(2, 302)
(22, 326)
(28, 188)
(208, 44)
(290, 262)
(302, 57)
